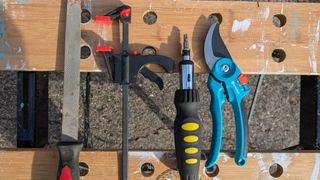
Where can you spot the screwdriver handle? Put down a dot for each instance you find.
(187, 132)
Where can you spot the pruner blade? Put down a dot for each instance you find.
(214, 47)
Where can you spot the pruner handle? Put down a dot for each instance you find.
(241, 132)
(237, 89)
(217, 100)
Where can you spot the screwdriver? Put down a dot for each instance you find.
(187, 129)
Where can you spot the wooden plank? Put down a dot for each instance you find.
(42, 164)
(33, 33)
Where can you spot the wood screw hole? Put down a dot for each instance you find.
(276, 170)
(279, 20)
(213, 171)
(147, 169)
(150, 18)
(85, 52)
(149, 50)
(278, 55)
(85, 16)
(84, 168)
(215, 17)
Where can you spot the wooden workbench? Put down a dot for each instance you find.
(32, 39)
(33, 33)
(42, 164)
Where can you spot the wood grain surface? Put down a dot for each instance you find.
(42, 164)
(32, 33)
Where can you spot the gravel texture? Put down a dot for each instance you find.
(8, 108)
(274, 125)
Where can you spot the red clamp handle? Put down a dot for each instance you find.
(103, 20)
(125, 12)
(104, 48)
(135, 53)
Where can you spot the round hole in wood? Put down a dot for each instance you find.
(279, 20)
(84, 168)
(85, 16)
(278, 55)
(275, 170)
(149, 50)
(150, 17)
(214, 17)
(147, 169)
(213, 171)
(85, 52)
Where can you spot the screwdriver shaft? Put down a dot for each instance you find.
(186, 67)
(186, 50)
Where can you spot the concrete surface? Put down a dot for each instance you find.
(275, 123)
(8, 101)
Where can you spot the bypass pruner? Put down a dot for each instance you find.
(225, 78)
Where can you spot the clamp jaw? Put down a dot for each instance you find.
(122, 12)
(225, 77)
(124, 68)
(136, 64)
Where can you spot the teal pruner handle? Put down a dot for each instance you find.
(217, 100)
(236, 94)
(236, 89)
(241, 132)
